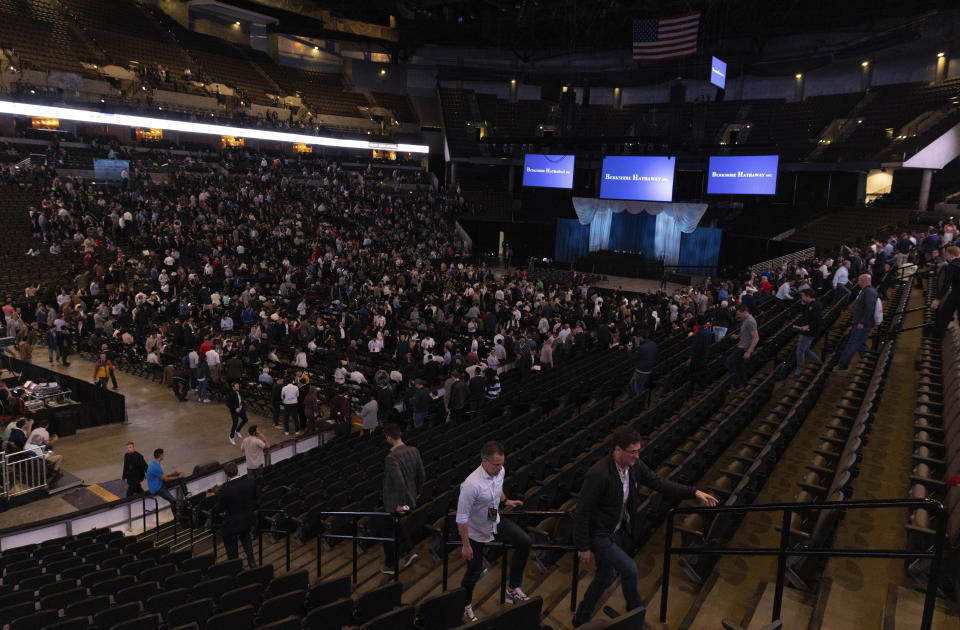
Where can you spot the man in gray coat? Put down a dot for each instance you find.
(403, 477)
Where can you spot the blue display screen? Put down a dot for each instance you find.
(640, 177)
(548, 171)
(718, 72)
(742, 175)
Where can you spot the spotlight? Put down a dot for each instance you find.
(799, 76)
(941, 55)
(864, 63)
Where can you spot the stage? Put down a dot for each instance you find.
(631, 237)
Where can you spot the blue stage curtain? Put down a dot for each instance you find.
(699, 249)
(633, 233)
(573, 240)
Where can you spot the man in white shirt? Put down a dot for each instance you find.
(479, 523)
(288, 397)
(213, 362)
(840, 279)
(253, 446)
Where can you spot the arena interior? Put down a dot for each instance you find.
(332, 314)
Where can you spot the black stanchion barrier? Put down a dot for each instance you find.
(784, 551)
(355, 538)
(574, 580)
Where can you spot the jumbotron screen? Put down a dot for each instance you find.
(548, 171)
(638, 177)
(742, 175)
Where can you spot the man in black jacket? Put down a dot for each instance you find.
(947, 301)
(608, 499)
(811, 321)
(238, 413)
(134, 470)
(237, 501)
(699, 352)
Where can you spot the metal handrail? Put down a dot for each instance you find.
(156, 513)
(260, 532)
(574, 579)
(784, 551)
(356, 538)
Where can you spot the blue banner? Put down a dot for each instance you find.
(742, 175)
(640, 178)
(548, 171)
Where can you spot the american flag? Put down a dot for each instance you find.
(665, 38)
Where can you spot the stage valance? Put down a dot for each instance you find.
(672, 219)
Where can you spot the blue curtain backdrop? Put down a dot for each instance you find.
(698, 249)
(573, 240)
(633, 233)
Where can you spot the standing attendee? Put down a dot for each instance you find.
(607, 503)
(699, 353)
(459, 397)
(419, 403)
(841, 278)
(644, 354)
(947, 301)
(237, 501)
(368, 414)
(157, 481)
(134, 470)
(747, 340)
(811, 321)
(238, 413)
(253, 447)
(862, 322)
(479, 523)
(102, 370)
(289, 397)
(276, 399)
(403, 477)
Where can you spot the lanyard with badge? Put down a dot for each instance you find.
(493, 512)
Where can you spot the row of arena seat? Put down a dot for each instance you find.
(753, 458)
(936, 455)
(837, 457)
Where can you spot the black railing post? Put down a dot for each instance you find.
(287, 542)
(933, 582)
(260, 539)
(667, 554)
(503, 576)
(175, 519)
(213, 536)
(319, 554)
(781, 563)
(575, 581)
(156, 516)
(396, 547)
(191, 534)
(356, 525)
(443, 551)
(143, 512)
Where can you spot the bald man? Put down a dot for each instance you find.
(862, 322)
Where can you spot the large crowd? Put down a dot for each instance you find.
(275, 270)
